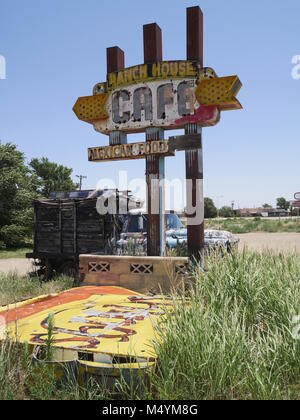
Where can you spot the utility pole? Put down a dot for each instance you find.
(81, 178)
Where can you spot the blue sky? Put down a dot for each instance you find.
(56, 51)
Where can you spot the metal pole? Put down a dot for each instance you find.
(115, 58)
(115, 62)
(155, 166)
(81, 177)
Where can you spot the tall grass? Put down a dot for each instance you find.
(14, 288)
(231, 338)
(21, 379)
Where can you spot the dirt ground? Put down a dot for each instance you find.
(16, 265)
(259, 241)
(256, 241)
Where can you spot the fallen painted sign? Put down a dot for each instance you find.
(168, 95)
(99, 327)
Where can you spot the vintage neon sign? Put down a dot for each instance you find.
(166, 95)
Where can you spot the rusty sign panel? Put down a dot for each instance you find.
(165, 95)
(129, 151)
(160, 148)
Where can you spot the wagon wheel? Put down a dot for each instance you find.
(47, 270)
(69, 269)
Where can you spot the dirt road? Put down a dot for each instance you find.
(259, 241)
(16, 265)
(255, 241)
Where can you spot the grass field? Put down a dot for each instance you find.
(230, 337)
(15, 289)
(242, 225)
(14, 253)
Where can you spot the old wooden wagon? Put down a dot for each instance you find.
(68, 225)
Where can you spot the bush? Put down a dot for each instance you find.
(226, 212)
(14, 236)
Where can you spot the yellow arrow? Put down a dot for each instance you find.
(220, 91)
(91, 108)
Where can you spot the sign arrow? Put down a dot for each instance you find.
(91, 108)
(219, 91)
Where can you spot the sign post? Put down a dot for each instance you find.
(152, 98)
(194, 157)
(115, 58)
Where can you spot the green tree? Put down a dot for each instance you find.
(16, 194)
(267, 206)
(210, 210)
(282, 203)
(226, 211)
(50, 177)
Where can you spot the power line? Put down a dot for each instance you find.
(81, 178)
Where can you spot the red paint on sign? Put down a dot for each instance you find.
(205, 115)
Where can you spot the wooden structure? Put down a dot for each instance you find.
(66, 228)
(194, 157)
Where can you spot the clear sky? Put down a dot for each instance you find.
(55, 51)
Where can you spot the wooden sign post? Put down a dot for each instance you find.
(152, 98)
(194, 157)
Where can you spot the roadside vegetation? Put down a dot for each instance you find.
(15, 289)
(14, 253)
(20, 184)
(233, 338)
(230, 337)
(243, 225)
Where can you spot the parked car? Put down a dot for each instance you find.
(134, 233)
(133, 238)
(213, 239)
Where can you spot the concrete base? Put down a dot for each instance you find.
(141, 274)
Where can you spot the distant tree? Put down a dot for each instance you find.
(16, 194)
(210, 210)
(282, 203)
(226, 212)
(19, 185)
(267, 206)
(50, 176)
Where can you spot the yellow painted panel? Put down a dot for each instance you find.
(100, 320)
(220, 91)
(91, 108)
